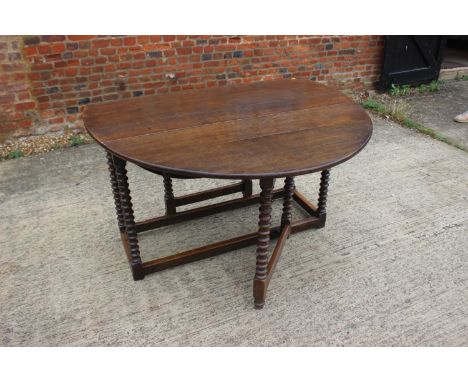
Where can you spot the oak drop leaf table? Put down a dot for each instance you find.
(264, 130)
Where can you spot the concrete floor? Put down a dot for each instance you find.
(436, 110)
(390, 268)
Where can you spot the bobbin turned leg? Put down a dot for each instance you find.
(115, 191)
(129, 236)
(263, 239)
(322, 200)
(247, 187)
(288, 202)
(169, 195)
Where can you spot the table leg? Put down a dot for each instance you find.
(322, 200)
(130, 234)
(265, 263)
(247, 188)
(169, 195)
(263, 240)
(288, 200)
(115, 191)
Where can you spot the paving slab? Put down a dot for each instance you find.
(389, 269)
(437, 110)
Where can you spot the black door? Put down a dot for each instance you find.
(411, 60)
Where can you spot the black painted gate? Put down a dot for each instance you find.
(411, 60)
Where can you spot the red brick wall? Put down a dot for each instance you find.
(45, 81)
(18, 107)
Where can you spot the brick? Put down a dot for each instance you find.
(84, 101)
(53, 38)
(17, 87)
(139, 56)
(128, 41)
(207, 64)
(58, 48)
(87, 61)
(154, 54)
(108, 51)
(138, 64)
(101, 43)
(72, 45)
(111, 97)
(24, 124)
(73, 63)
(72, 110)
(14, 44)
(346, 51)
(100, 60)
(31, 40)
(15, 56)
(23, 96)
(53, 89)
(53, 57)
(116, 42)
(57, 120)
(80, 37)
(44, 49)
(25, 106)
(29, 50)
(7, 98)
(142, 39)
(183, 51)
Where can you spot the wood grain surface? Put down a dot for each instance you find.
(259, 130)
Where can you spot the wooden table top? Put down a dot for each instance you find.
(259, 130)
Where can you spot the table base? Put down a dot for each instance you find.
(265, 265)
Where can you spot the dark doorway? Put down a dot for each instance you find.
(456, 53)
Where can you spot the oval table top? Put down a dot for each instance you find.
(248, 131)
